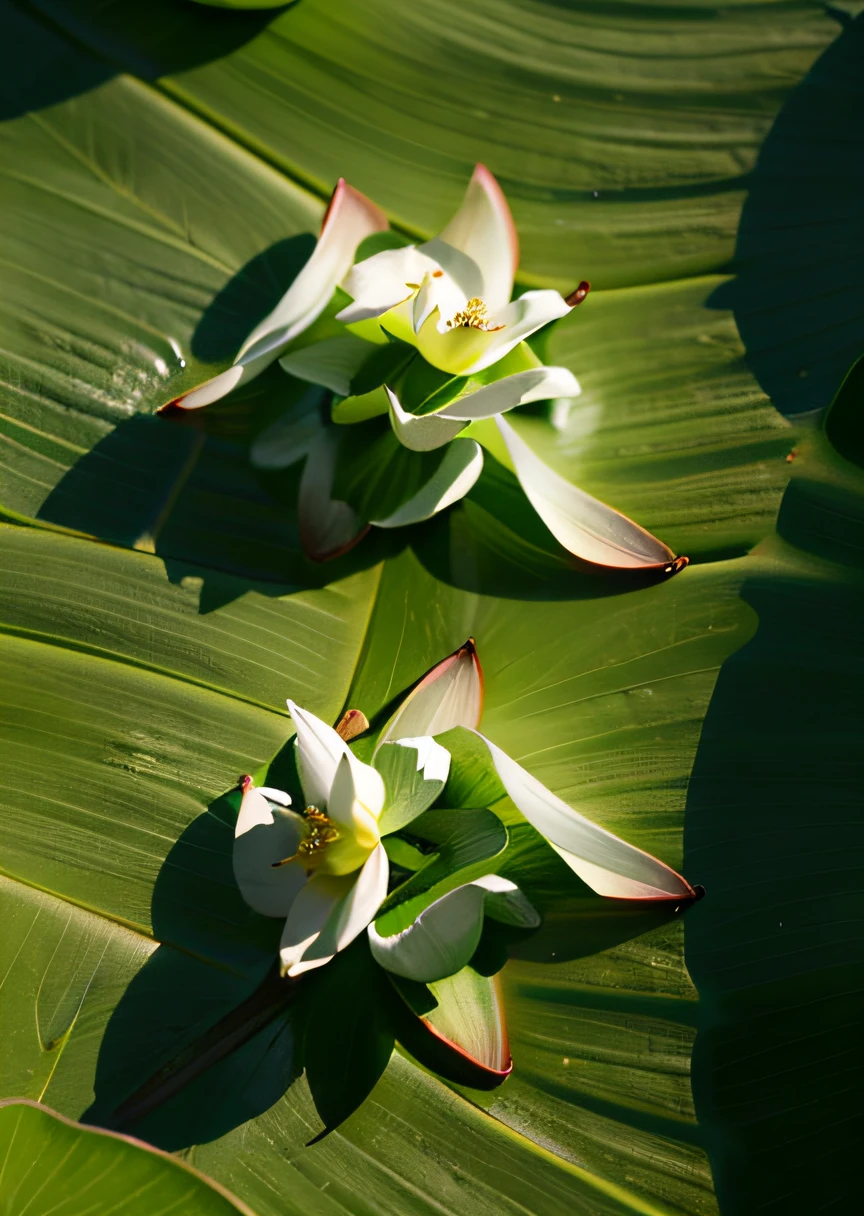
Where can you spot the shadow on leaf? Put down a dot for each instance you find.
(799, 255)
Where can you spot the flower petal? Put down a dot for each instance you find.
(330, 912)
(357, 824)
(333, 363)
(319, 751)
(328, 527)
(452, 480)
(537, 384)
(585, 526)
(450, 694)
(379, 283)
(444, 936)
(464, 350)
(263, 836)
(609, 865)
(350, 218)
(415, 772)
(483, 228)
(440, 941)
(420, 432)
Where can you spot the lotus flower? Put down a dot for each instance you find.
(326, 870)
(450, 297)
(450, 300)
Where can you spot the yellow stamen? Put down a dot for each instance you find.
(474, 315)
(319, 833)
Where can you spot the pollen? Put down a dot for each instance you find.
(319, 833)
(475, 315)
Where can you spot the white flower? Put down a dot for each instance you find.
(325, 870)
(450, 297)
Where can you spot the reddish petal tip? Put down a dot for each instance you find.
(676, 565)
(576, 297)
(246, 783)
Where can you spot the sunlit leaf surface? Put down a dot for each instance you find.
(164, 168)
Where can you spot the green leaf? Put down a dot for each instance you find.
(347, 1034)
(52, 1165)
(715, 711)
(464, 842)
(415, 772)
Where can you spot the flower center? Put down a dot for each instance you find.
(319, 833)
(475, 315)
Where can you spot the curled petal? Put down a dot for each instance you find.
(445, 935)
(608, 864)
(357, 823)
(450, 694)
(585, 526)
(536, 384)
(452, 480)
(421, 432)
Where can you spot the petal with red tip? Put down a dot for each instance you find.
(585, 526)
(608, 864)
(450, 694)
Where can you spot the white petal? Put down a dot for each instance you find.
(319, 751)
(415, 772)
(357, 824)
(273, 795)
(519, 319)
(537, 384)
(452, 480)
(379, 283)
(440, 290)
(439, 942)
(327, 525)
(309, 914)
(333, 363)
(450, 694)
(291, 437)
(483, 228)
(350, 218)
(330, 912)
(213, 390)
(585, 526)
(263, 836)
(609, 865)
(420, 432)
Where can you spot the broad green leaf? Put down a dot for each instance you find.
(122, 254)
(595, 122)
(52, 1165)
